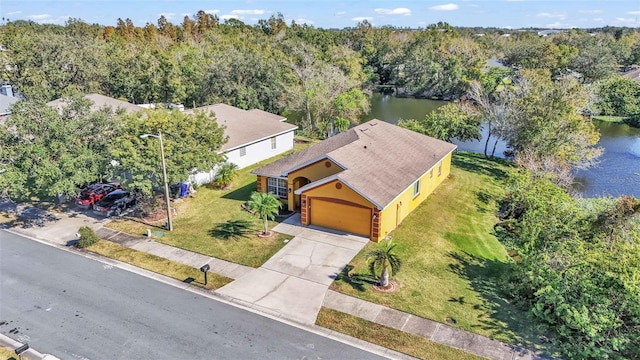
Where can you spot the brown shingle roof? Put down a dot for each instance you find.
(100, 101)
(381, 160)
(245, 127)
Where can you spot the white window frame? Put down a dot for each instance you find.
(416, 188)
(277, 187)
(243, 151)
(274, 144)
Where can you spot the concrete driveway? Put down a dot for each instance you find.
(293, 283)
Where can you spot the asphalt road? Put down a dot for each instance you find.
(77, 308)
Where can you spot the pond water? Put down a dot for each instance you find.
(617, 173)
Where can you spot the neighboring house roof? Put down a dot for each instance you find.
(246, 127)
(100, 101)
(5, 104)
(381, 160)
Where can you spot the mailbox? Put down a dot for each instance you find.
(204, 269)
(22, 349)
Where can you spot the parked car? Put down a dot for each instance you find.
(115, 203)
(93, 193)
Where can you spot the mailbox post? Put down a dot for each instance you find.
(204, 269)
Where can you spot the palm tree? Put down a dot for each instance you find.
(265, 205)
(384, 258)
(225, 175)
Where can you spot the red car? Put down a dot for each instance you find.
(93, 193)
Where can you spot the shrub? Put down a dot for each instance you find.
(87, 237)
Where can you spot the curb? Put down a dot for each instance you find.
(30, 354)
(312, 328)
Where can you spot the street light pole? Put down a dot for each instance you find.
(164, 178)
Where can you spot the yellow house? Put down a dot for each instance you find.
(363, 181)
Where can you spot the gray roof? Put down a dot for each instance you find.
(246, 127)
(381, 160)
(100, 101)
(6, 102)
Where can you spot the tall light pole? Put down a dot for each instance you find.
(164, 178)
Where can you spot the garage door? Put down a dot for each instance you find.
(340, 216)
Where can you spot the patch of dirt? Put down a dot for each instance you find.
(266, 235)
(393, 286)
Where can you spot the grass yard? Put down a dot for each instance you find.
(213, 223)
(451, 258)
(6, 354)
(159, 265)
(393, 339)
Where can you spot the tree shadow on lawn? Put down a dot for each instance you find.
(241, 194)
(475, 163)
(232, 229)
(502, 318)
(358, 281)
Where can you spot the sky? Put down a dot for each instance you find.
(341, 13)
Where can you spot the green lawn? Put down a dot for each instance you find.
(6, 354)
(452, 258)
(159, 265)
(213, 223)
(393, 339)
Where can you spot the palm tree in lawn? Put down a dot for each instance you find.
(386, 259)
(225, 175)
(266, 206)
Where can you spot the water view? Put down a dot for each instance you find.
(618, 171)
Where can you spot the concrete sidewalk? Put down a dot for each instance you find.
(428, 329)
(148, 245)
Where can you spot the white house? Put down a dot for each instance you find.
(254, 135)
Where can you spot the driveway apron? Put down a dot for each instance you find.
(293, 283)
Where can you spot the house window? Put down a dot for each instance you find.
(243, 151)
(439, 169)
(431, 173)
(416, 188)
(277, 187)
(273, 143)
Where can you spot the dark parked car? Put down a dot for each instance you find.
(93, 193)
(115, 203)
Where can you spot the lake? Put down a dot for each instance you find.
(617, 173)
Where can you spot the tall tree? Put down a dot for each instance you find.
(48, 152)
(191, 144)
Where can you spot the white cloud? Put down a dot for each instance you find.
(168, 16)
(303, 21)
(598, 19)
(362, 18)
(396, 11)
(551, 15)
(556, 24)
(445, 7)
(590, 11)
(39, 17)
(213, 11)
(633, 12)
(228, 16)
(248, 12)
(14, 13)
(340, 13)
(626, 20)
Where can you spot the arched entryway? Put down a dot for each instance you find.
(297, 184)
